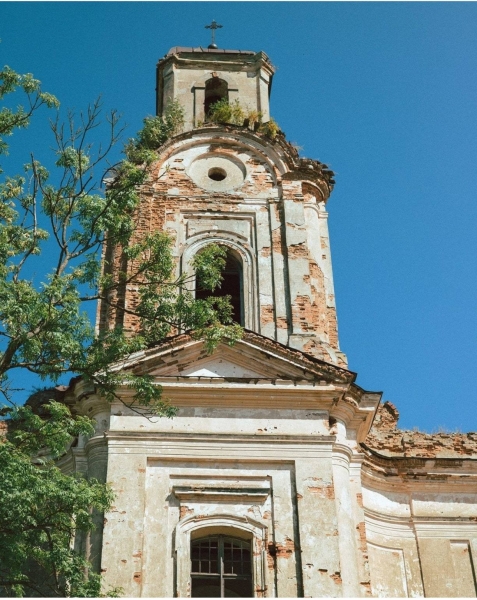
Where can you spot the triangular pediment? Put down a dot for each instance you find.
(252, 357)
(218, 366)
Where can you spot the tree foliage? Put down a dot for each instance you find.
(42, 509)
(53, 228)
(155, 132)
(43, 325)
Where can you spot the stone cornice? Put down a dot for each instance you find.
(406, 474)
(202, 493)
(210, 58)
(404, 526)
(115, 435)
(333, 373)
(266, 447)
(356, 408)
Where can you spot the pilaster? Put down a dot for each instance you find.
(346, 524)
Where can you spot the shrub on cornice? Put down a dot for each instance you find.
(270, 129)
(225, 112)
(234, 114)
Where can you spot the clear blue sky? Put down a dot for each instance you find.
(384, 93)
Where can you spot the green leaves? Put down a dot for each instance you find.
(42, 324)
(29, 433)
(42, 509)
(155, 132)
(70, 158)
(10, 81)
(208, 265)
(233, 113)
(270, 129)
(158, 130)
(223, 111)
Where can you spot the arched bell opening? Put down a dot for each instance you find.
(215, 89)
(232, 285)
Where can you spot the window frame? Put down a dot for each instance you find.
(233, 270)
(247, 259)
(198, 526)
(221, 575)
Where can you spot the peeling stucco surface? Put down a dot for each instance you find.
(277, 226)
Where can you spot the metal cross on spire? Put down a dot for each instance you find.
(213, 26)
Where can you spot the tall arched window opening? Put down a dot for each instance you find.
(232, 285)
(221, 567)
(215, 89)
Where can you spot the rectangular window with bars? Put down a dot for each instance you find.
(221, 567)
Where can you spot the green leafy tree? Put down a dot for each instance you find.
(45, 330)
(42, 509)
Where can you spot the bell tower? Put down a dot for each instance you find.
(198, 77)
(243, 186)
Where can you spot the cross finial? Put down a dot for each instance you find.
(213, 26)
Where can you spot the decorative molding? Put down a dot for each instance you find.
(195, 244)
(221, 494)
(188, 526)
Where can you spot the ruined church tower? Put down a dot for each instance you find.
(248, 191)
(279, 476)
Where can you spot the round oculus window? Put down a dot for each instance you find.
(217, 173)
